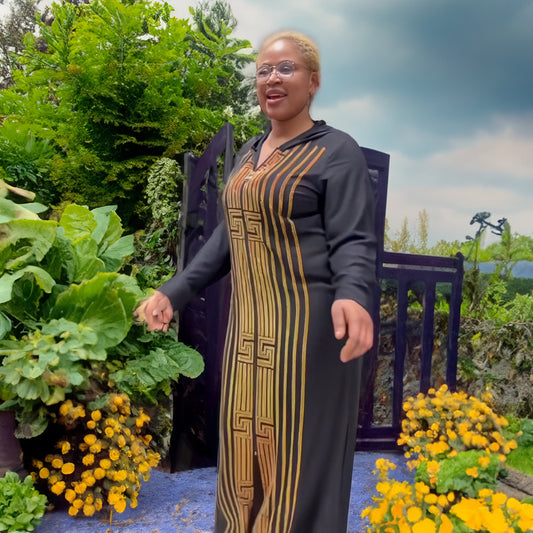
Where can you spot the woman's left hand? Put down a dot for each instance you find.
(353, 322)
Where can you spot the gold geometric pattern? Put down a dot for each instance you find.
(261, 422)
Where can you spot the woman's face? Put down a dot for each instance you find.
(285, 98)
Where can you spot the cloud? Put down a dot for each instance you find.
(491, 171)
(444, 87)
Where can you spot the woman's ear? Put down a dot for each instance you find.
(314, 83)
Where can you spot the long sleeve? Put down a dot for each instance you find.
(211, 263)
(349, 221)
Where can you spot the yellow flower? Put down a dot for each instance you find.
(88, 459)
(446, 525)
(109, 432)
(70, 495)
(425, 526)
(90, 439)
(98, 503)
(58, 487)
(96, 447)
(470, 511)
(121, 475)
(72, 511)
(99, 473)
(113, 497)
(414, 514)
(77, 503)
(472, 472)
(91, 424)
(120, 506)
(57, 462)
(44, 473)
(67, 468)
(65, 408)
(142, 419)
(494, 446)
(121, 441)
(451, 434)
(80, 487)
(484, 461)
(88, 510)
(442, 500)
(434, 510)
(431, 498)
(96, 415)
(114, 455)
(105, 464)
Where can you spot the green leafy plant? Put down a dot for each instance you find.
(68, 318)
(21, 505)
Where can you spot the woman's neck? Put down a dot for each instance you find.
(283, 131)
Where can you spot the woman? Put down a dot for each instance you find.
(299, 240)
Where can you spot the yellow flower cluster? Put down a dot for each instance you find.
(414, 508)
(102, 458)
(443, 423)
(407, 508)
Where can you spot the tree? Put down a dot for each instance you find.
(511, 249)
(19, 22)
(116, 86)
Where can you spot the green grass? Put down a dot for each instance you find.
(522, 459)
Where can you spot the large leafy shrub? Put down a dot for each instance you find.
(67, 317)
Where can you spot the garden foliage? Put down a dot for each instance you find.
(76, 370)
(21, 505)
(106, 88)
(67, 316)
(459, 446)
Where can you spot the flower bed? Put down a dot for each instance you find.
(106, 455)
(458, 446)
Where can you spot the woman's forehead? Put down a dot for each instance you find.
(278, 51)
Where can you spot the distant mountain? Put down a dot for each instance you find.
(522, 269)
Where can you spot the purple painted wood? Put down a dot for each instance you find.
(203, 321)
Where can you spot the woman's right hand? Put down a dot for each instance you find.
(156, 311)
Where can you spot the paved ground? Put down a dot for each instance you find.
(184, 502)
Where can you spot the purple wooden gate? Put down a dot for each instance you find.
(203, 322)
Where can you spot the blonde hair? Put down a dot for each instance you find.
(305, 45)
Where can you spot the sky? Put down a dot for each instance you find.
(443, 86)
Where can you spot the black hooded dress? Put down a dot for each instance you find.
(298, 234)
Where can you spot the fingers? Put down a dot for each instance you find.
(353, 322)
(339, 320)
(157, 312)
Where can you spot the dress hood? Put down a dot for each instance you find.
(319, 129)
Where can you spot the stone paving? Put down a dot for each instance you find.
(184, 502)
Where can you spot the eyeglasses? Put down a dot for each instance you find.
(285, 70)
